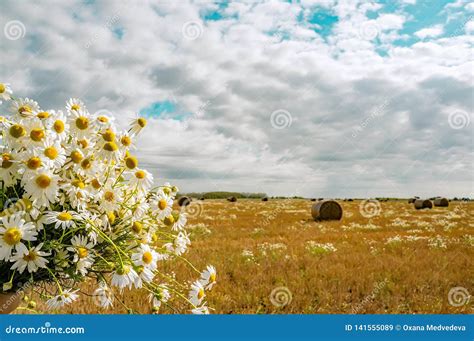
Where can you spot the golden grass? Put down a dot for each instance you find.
(401, 261)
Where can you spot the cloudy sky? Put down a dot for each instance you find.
(320, 98)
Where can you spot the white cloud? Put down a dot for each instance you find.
(362, 124)
(430, 32)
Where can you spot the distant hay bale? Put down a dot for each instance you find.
(202, 199)
(421, 204)
(441, 202)
(184, 201)
(411, 201)
(320, 199)
(232, 199)
(265, 199)
(313, 199)
(326, 210)
(350, 199)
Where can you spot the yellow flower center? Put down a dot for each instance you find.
(6, 163)
(212, 278)
(58, 126)
(131, 162)
(12, 236)
(64, 216)
(96, 184)
(51, 153)
(2, 88)
(86, 164)
(78, 184)
(169, 220)
(83, 143)
(147, 257)
(34, 163)
(137, 227)
(162, 204)
(43, 181)
(140, 174)
(126, 141)
(141, 122)
(76, 156)
(17, 131)
(37, 134)
(111, 217)
(200, 294)
(108, 135)
(42, 115)
(82, 252)
(24, 109)
(31, 256)
(110, 147)
(75, 107)
(103, 119)
(82, 122)
(109, 196)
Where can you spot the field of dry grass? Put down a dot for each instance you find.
(399, 261)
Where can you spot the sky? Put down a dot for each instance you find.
(320, 98)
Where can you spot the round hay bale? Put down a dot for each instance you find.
(350, 199)
(411, 201)
(421, 204)
(320, 199)
(326, 210)
(202, 199)
(265, 199)
(313, 199)
(441, 202)
(184, 201)
(232, 199)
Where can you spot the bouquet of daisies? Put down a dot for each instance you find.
(75, 204)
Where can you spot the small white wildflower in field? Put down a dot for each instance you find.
(394, 240)
(319, 248)
(208, 277)
(273, 249)
(248, 255)
(437, 242)
(356, 226)
(399, 223)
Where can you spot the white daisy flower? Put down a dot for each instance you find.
(126, 141)
(162, 295)
(77, 194)
(66, 297)
(208, 277)
(58, 124)
(124, 276)
(24, 107)
(42, 188)
(64, 219)
(80, 123)
(81, 247)
(52, 153)
(162, 205)
(109, 151)
(105, 295)
(145, 274)
(29, 258)
(180, 220)
(145, 257)
(141, 179)
(9, 169)
(5, 92)
(36, 133)
(14, 229)
(137, 124)
(202, 310)
(110, 199)
(196, 294)
(104, 121)
(15, 135)
(75, 105)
